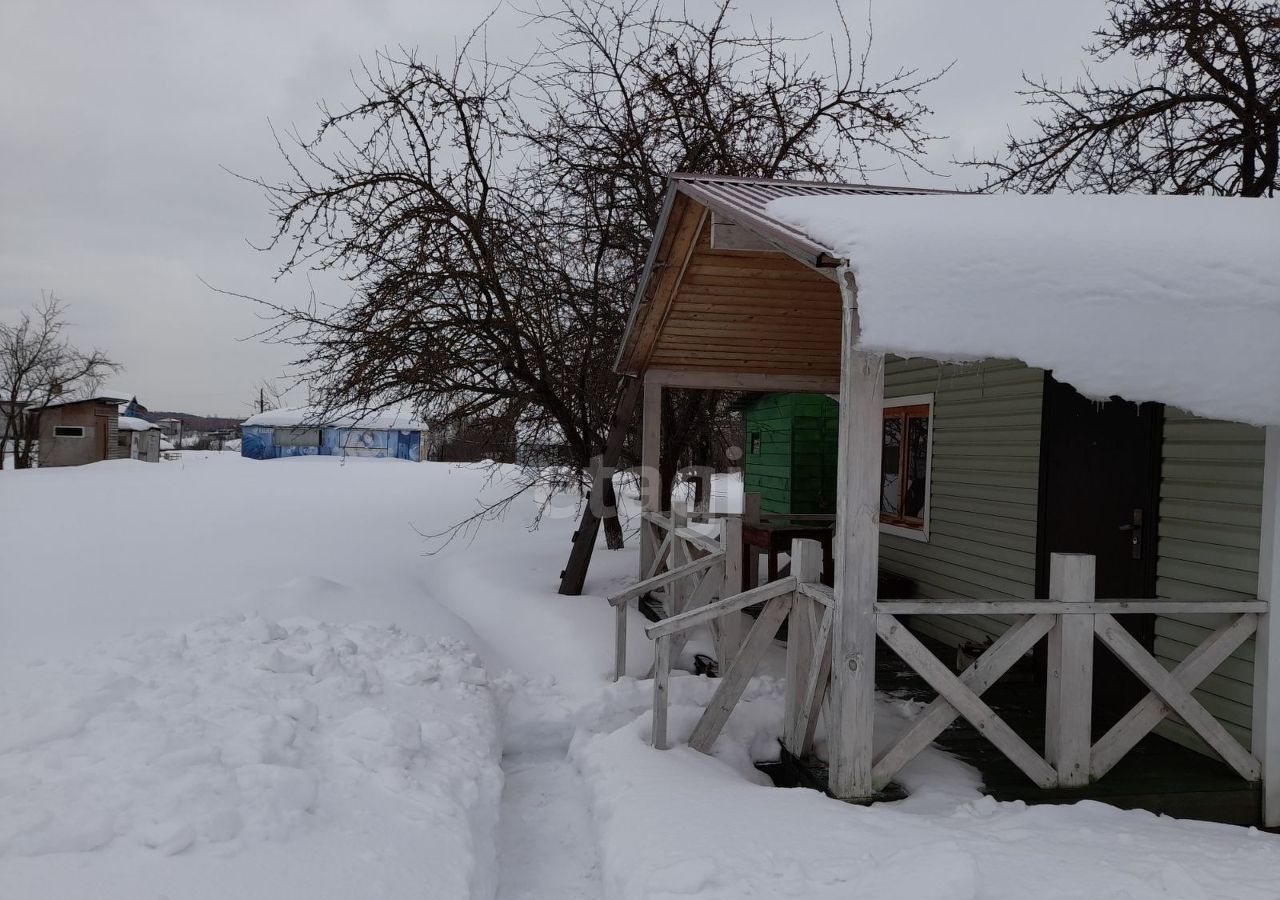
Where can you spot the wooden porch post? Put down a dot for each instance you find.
(650, 456)
(856, 550)
(1266, 667)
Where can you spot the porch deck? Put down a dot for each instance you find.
(1157, 775)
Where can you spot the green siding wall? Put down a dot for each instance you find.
(984, 505)
(1210, 516)
(795, 469)
(984, 488)
(768, 472)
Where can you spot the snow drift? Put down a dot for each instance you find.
(354, 760)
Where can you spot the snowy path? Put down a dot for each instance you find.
(546, 837)
(236, 745)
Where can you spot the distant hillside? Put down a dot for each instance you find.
(193, 422)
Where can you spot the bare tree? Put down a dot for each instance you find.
(1199, 115)
(267, 395)
(38, 364)
(493, 218)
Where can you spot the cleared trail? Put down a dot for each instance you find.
(546, 840)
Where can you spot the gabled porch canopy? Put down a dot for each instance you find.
(731, 291)
(781, 286)
(1168, 299)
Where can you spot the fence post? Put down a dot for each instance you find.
(730, 629)
(620, 642)
(661, 676)
(1069, 701)
(677, 591)
(806, 566)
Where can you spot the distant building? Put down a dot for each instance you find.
(133, 408)
(302, 431)
(139, 439)
(76, 432)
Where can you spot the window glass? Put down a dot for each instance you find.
(891, 464)
(917, 462)
(68, 431)
(755, 443)
(904, 471)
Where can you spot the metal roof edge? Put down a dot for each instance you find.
(792, 242)
(851, 186)
(97, 398)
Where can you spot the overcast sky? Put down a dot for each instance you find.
(117, 119)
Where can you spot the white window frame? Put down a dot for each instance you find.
(920, 534)
(79, 428)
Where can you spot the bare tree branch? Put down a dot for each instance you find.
(493, 218)
(1200, 114)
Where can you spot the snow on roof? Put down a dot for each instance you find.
(1171, 299)
(291, 416)
(133, 423)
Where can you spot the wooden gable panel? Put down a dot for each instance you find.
(749, 311)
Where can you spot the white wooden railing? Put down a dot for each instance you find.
(1071, 618)
(689, 570)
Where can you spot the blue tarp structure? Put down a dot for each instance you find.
(258, 442)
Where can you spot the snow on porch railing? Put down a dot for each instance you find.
(1071, 618)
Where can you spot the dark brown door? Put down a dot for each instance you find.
(1100, 468)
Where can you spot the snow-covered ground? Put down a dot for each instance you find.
(232, 678)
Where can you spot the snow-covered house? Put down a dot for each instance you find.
(304, 431)
(139, 439)
(1076, 401)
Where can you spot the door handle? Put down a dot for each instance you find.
(1135, 532)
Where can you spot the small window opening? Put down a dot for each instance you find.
(904, 472)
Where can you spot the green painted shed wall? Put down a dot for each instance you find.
(984, 489)
(795, 469)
